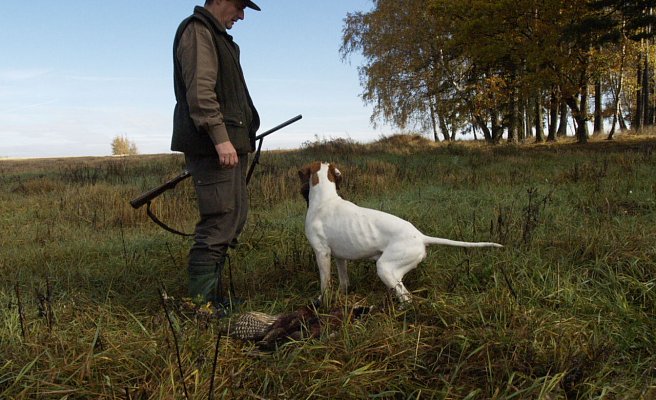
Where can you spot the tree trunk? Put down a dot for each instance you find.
(513, 118)
(553, 116)
(580, 115)
(618, 93)
(539, 120)
(483, 126)
(580, 110)
(582, 130)
(638, 118)
(562, 126)
(443, 127)
(432, 107)
(598, 115)
(521, 118)
(612, 127)
(497, 128)
(528, 119)
(645, 91)
(620, 118)
(494, 127)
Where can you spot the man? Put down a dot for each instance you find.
(214, 125)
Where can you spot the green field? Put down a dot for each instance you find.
(567, 309)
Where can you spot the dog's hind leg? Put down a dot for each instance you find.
(388, 273)
(342, 273)
(398, 260)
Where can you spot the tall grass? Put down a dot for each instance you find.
(566, 310)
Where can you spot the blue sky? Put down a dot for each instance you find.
(74, 75)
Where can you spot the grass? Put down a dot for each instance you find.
(566, 310)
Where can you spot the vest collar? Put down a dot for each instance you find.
(202, 12)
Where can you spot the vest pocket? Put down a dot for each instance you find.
(237, 128)
(234, 119)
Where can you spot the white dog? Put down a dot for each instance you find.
(339, 228)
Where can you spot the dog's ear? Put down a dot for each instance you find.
(306, 171)
(335, 174)
(304, 175)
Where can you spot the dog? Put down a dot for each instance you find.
(338, 228)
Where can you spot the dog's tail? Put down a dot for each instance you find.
(448, 242)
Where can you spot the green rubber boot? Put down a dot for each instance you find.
(203, 281)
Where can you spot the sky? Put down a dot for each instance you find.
(74, 75)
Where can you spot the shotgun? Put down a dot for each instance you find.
(150, 195)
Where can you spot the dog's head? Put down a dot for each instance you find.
(309, 176)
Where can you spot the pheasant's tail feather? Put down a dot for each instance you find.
(253, 325)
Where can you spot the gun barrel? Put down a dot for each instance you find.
(275, 128)
(144, 198)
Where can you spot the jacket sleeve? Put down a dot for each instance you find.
(198, 59)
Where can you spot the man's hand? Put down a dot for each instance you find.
(227, 154)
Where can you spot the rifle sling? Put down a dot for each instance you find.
(177, 232)
(162, 224)
(256, 160)
(156, 220)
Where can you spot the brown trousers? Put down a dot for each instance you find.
(222, 205)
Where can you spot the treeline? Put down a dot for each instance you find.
(507, 68)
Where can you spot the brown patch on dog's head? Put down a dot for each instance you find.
(334, 175)
(308, 175)
(304, 175)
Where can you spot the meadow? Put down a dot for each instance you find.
(566, 310)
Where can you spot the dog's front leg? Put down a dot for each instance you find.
(342, 273)
(323, 262)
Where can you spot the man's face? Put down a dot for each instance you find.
(231, 11)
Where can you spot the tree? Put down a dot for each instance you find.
(391, 76)
(493, 66)
(633, 20)
(122, 146)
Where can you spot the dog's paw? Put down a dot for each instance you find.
(405, 306)
(316, 303)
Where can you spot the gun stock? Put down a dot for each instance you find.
(151, 194)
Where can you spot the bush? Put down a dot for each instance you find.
(122, 146)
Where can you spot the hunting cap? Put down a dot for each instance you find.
(250, 4)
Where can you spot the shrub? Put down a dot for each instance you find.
(122, 146)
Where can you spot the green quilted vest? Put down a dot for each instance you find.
(239, 113)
